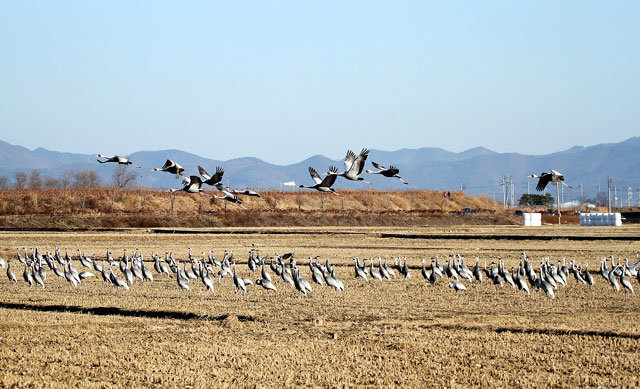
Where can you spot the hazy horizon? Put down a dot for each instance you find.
(340, 157)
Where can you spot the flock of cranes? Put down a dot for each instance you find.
(353, 164)
(207, 269)
(193, 184)
(287, 273)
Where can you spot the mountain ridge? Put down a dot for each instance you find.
(478, 169)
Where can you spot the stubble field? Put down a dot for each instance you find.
(400, 332)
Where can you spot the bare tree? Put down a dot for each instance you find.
(21, 179)
(66, 179)
(35, 180)
(86, 178)
(4, 182)
(51, 183)
(122, 178)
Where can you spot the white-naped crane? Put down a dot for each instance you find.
(246, 192)
(192, 184)
(323, 185)
(212, 180)
(546, 178)
(555, 177)
(391, 172)
(353, 166)
(120, 160)
(228, 196)
(170, 167)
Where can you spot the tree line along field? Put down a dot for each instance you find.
(399, 332)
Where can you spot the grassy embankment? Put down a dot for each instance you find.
(144, 208)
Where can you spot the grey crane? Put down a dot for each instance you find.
(238, 281)
(182, 280)
(477, 274)
(587, 276)
(26, 274)
(316, 273)
(265, 274)
(266, 284)
(383, 270)
(359, 273)
(117, 281)
(624, 281)
(374, 273)
(206, 279)
(425, 273)
(457, 286)
(146, 273)
(10, 275)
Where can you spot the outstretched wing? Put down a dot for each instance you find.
(191, 181)
(167, 164)
(204, 173)
(218, 176)
(330, 179)
(359, 164)
(393, 170)
(314, 174)
(378, 166)
(349, 160)
(545, 178)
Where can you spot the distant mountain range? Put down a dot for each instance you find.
(478, 170)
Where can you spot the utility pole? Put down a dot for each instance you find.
(581, 195)
(558, 201)
(615, 196)
(508, 192)
(629, 196)
(512, 190)
(609, 193)
(528, 189)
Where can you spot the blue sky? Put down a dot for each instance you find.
(286, 80)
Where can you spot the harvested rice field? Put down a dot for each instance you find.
(401, 332)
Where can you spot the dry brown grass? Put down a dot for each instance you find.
(64, 201)
(140, 208)
(397, 333)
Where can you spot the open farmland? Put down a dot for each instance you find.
(401, 332)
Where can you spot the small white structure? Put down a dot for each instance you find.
(601, 219)
(575, 205)
(532, 219)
